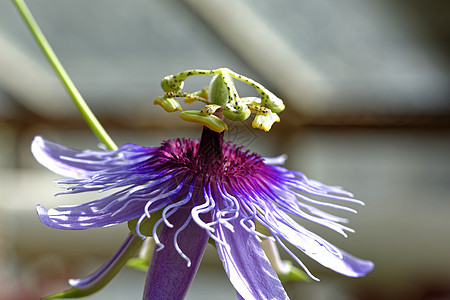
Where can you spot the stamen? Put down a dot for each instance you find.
(175, 242)
(296, 211)
(263, 223)
(327, 204)
(155, 236)
(296, 259)
(248, 205)
(164, 195)
(203, 208)
(281, 219)
(224, 223)
(322, 191)
(157, 223)
(179, 203)
(219, 215)
(218, 240)
(138, 226)
(230, 199)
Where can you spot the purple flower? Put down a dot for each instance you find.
(195, 191)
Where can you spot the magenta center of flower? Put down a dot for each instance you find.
(210, 157)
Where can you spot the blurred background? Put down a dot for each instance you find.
(366, 86)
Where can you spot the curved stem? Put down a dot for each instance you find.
(97, 280)
(84, 109)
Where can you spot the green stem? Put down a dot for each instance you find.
(84, 109)
(101, 277)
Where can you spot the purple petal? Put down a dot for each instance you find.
(322, 251)
(169, 275)
(87, 215)
(359, 267)
(74, 163)
(118, 207)
(247, 266)
(49, 155)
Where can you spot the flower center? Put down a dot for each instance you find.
(210, 156)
